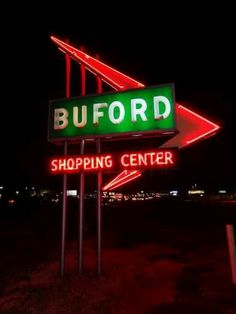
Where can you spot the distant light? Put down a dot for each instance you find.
(174, 193)
(17, 192)
(1, 187)
(191, 192)
(222, 191)
(26, 188)
(71, 192)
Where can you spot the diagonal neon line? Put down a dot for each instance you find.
(121, 175)
(111, 76)
(120, 178)
(126, 180)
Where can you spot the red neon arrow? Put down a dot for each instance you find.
(122, 178)
(114, 78)
(191, 126)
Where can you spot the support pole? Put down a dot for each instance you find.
(99, 216)
(83, 79)
(99, 199)
(64, 202)
(232, 250)
(81, 213)
(81, 194)
(64, 218)
(68, 68)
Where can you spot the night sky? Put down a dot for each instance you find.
(192, 49)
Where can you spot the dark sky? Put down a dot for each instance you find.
(193, 48)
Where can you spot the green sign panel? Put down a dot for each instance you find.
(146, 111)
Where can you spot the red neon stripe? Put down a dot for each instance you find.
(116, 79)
(122, 177)
(68, 70)
(191, 126)
(127, 174)
(206, 127)
(135, 176)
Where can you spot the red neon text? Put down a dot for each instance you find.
(147, 159)
(72, 164)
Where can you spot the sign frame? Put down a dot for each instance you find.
(116, 136)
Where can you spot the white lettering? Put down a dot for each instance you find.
(108, 161)
(169, 157)
(96, 113)
(60, 118)
(120, 118)
(54, 165)
(122, 160)
(157, 100)
(83, 117)
(138, 111)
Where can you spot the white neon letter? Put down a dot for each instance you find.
(108, 161)
(138, 111)
(60, 118)
(169, 156)
(122, 160)
(54, 165)
(96, 113)
(165, 101)
(83, 116)
(111, 110)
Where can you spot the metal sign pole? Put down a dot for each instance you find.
(99, 198)
(64, 202)
(81, 194)
(99, 216)
(81, 213)
(64, 214)
(232, 250)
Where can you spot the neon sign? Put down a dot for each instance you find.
(75, 164)
(154, 159)
(138, 111)
(150, 159)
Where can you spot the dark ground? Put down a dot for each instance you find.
(159, 257)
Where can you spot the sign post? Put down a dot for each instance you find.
(64, 202)
(99, 198)
(81, 194)
(99, 215)
(143, 112)
(232, 250)
(81, 213)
